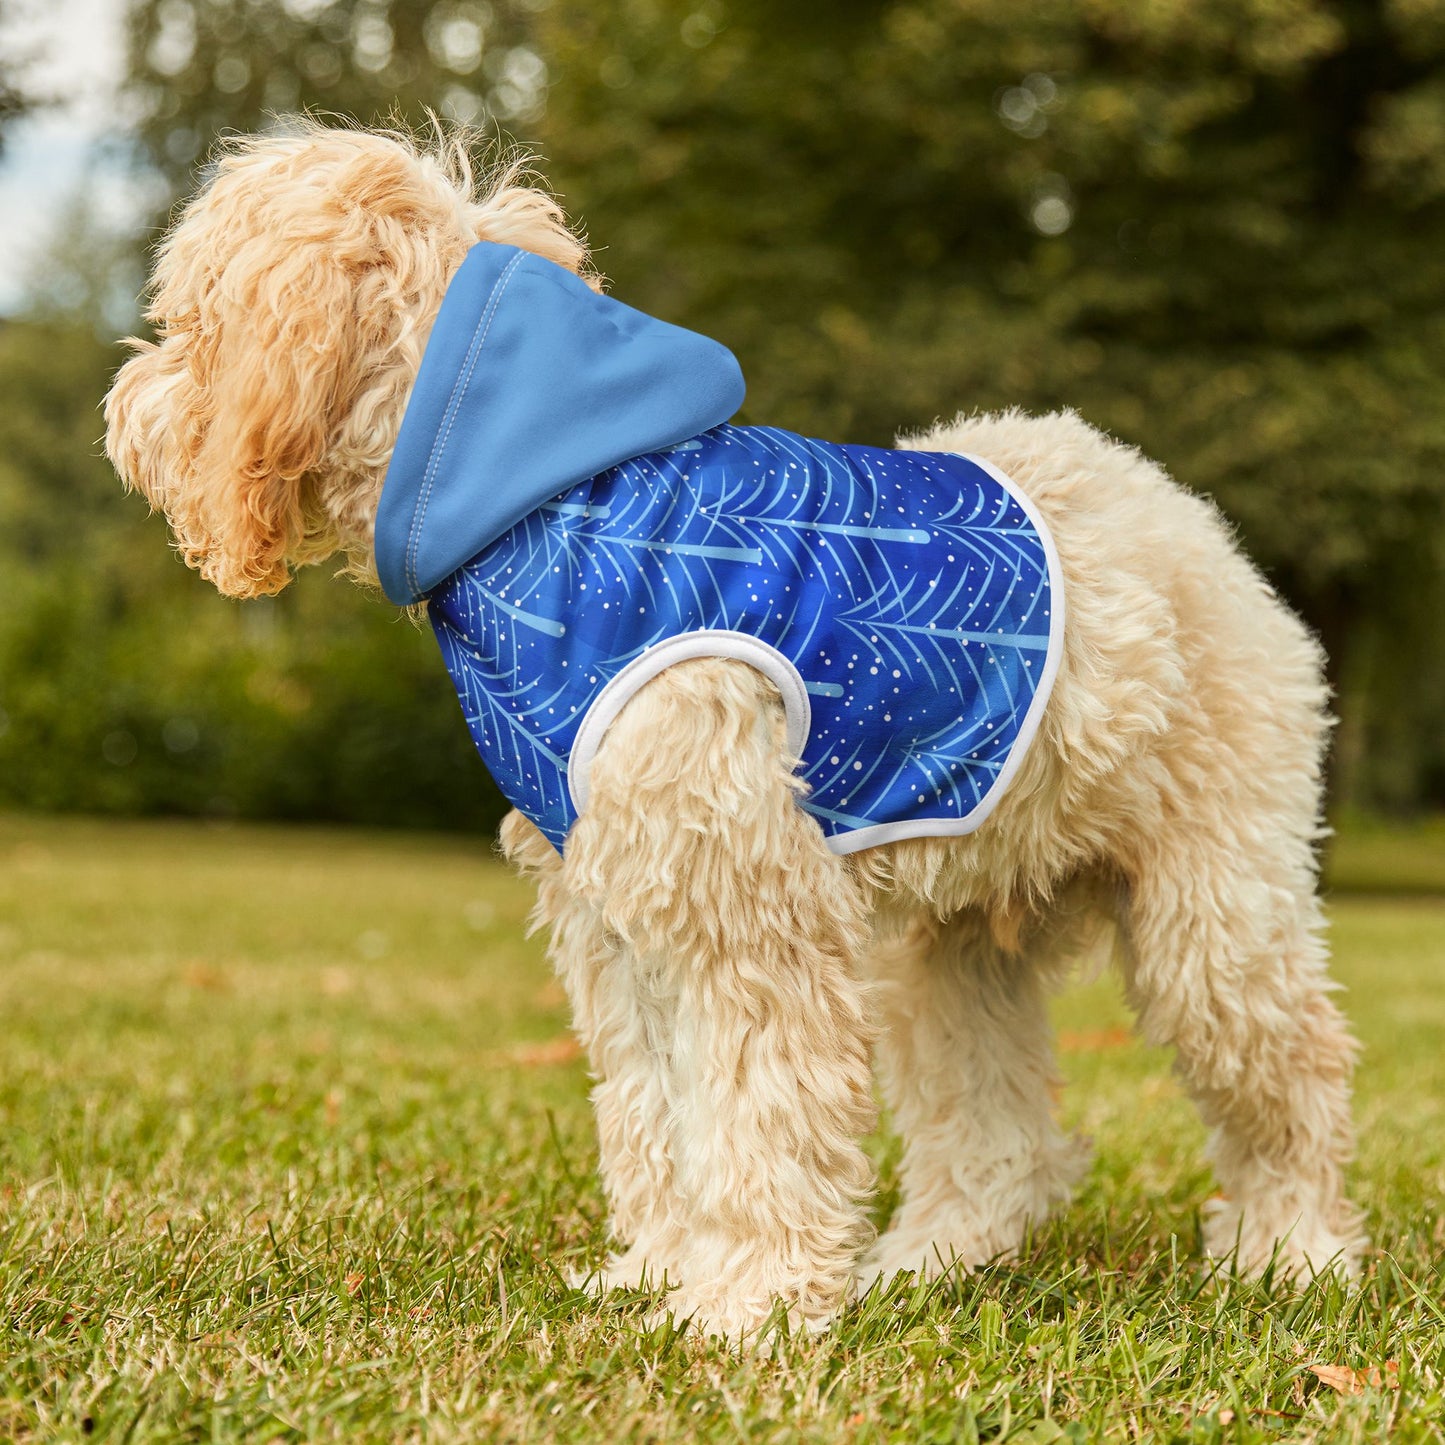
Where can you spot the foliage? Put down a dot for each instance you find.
(202, 67)
(1216, 229)
(127, 686)
(15, 96)
(281, 1158)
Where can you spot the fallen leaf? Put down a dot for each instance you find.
(1347, 1381)
(354, 1283)
(203, 975)
(554, 1051)
(1096, 1041)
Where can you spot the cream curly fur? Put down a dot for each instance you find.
(729, 976)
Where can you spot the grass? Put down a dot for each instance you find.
(292, 1147)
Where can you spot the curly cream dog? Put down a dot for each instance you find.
(730, 976)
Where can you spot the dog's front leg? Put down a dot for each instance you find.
(623, 1022)
(734, 933)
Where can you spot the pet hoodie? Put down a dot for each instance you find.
(569, 499)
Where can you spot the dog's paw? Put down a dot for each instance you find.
(898, 1253)
(753, 1324)
(632, 1270)
(958, 1242)
(966, 1227)
(1298, 1246)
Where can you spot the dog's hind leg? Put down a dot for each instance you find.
(1225, 961)
(966, 1060)
(739, 932)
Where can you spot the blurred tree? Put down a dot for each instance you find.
(1216, 227)
(127, 685)
(203, 67)
(15, 97)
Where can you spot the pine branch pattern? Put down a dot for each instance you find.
(912, 592)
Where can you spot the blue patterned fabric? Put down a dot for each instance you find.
(906, 603)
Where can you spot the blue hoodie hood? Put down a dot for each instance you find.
(531, 383)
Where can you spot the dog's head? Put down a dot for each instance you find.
(291, 301)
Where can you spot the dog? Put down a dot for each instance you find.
(732, 968)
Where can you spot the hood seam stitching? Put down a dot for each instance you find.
(453, 406)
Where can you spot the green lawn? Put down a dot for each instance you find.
(292, 1147)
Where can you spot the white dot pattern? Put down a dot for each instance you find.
(912, 591)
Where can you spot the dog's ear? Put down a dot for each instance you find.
(141, 438)
(285, 281)
(292, 301)
(221, 422)
(276, 353)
